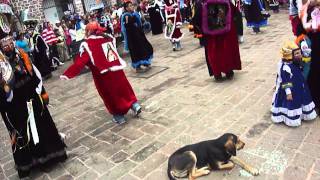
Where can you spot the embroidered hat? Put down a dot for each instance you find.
(287, 50)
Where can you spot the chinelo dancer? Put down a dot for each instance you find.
(23, 104)
(220, 37)
(99, 53)
(173, 24)
(140, 49)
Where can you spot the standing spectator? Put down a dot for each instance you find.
(313, 32)
(294, 11)
(68, 37)
(41, 54)
(22, 43)
(61, 45)
(73, 35)
(51, 39)
(156, 19)
(182, 7)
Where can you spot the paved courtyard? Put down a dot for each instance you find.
(182, 105)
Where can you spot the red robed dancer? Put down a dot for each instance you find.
(100, 55)
(174, 23)
(220, 34)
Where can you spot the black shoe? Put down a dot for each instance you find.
(256, 30)
(218, 78)
(147, 67)
(230, 75)
(23, 174)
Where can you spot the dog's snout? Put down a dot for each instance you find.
(240, 145)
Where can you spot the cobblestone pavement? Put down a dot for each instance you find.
(182, 105)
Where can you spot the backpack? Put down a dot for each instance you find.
(216, 17)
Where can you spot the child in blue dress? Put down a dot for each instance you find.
(292, 101)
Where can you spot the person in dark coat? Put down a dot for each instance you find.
(156, 19)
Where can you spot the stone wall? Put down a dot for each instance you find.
(34, 6)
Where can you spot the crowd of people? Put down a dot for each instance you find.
(27, 58)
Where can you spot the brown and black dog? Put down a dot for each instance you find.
(198, 159)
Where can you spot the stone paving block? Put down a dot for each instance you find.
(75, 167)
(6, 158)
(147, 151)
(118, 171)
(152, 129)
(131, 134)
(43, 177)
(8, 165)
(256, 130)
(102, 129)
(110, 150)
(129, 177)
(9, 172)
(89, 175)
(119, 157)
(173, 132)
(88, 141)
(292, 144)
(311, 150)
(295, 173)
(139, 144)
(65, 177)
(98, 163)
(55, 171)
(298, 134)
(169, 148)
(303, 161)
(157, 175)
(149, 165)
(98, 148)
(77, 151)
(109, 137)
(315, 176)
(313, 137)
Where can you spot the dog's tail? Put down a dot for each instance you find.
(170, 172)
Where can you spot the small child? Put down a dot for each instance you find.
(292, 101)
(304, 43)
(176, 46)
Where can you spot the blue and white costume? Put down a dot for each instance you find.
(290, 80)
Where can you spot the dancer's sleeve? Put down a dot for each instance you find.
(286, 76)
(79, 63)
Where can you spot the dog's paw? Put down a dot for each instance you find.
(254, 171)
(206, 172)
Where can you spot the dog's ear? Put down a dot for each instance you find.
(231, 147)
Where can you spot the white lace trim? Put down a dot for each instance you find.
(297, 122)
(295, 112)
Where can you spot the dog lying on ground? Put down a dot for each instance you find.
(198, 159)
